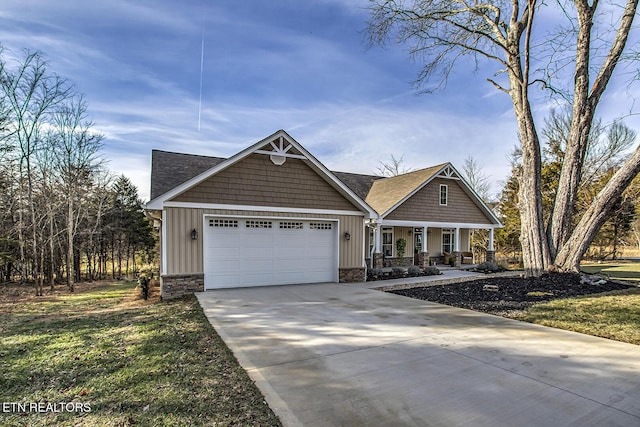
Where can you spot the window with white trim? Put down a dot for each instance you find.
(448, 240)
(387, 241)
(259, 224)
(444, 194)
(225, 223)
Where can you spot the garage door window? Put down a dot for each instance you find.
(320, 225)
(291, 225)
(223, 223)
(259, 224)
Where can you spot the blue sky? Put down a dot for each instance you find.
(301, 66)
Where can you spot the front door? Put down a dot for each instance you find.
(417, 246)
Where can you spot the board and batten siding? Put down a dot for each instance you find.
(185, 256)
(425, 206)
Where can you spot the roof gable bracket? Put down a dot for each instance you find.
(448, 173)
(280, 153)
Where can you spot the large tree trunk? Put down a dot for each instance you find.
(570, 255)
(535, 250)
(585, 100)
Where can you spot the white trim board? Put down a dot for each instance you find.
(285, 210)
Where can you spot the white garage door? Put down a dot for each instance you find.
(260, 252)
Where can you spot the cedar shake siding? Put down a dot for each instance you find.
(425, 206)
(256, 181)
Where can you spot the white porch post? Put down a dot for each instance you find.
(491, 231)
(377, 239)
(456, 243)
(424, 239)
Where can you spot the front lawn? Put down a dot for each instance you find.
(615, 316)
(129, 361)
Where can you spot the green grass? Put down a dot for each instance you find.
(615, 270)
(134, 362)
(615, 315)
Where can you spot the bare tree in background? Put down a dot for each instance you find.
(585, 51)
(476, 178)
(393, 167)
(31, 94)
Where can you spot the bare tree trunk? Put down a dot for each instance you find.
(585, 100)
(70, 251)
(51, 251)
(535, 250)
(570, 255)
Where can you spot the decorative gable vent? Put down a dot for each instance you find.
(280, 151)
(448, 173)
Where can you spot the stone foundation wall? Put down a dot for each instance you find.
(351, 275)
(177, 285)
(396, 262)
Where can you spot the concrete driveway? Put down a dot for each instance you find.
(343, 355)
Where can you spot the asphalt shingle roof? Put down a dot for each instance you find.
(386, 193)
(168, 169)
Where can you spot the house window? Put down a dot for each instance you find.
(387, 241)
(448, 240)
(444, 194)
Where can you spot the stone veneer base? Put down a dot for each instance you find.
(351, 275)
(177, 285)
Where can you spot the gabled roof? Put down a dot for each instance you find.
(388, 193)
(360, 184)
(168, 169)
(278, 145)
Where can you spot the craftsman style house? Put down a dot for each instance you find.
(273, 214)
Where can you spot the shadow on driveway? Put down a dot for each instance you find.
(331, 354)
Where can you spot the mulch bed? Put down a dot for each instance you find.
(512, 293)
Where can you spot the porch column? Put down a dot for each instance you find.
(491, 253)
(424, 239)
(456, 249)
(378, 261)
(423, 255)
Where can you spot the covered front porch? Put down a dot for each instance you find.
(424, 244)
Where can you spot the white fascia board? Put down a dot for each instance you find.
(431, 224)
(193, 205)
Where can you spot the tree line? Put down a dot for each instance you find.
(63, 215)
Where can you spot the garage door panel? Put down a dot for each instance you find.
(255, 252)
